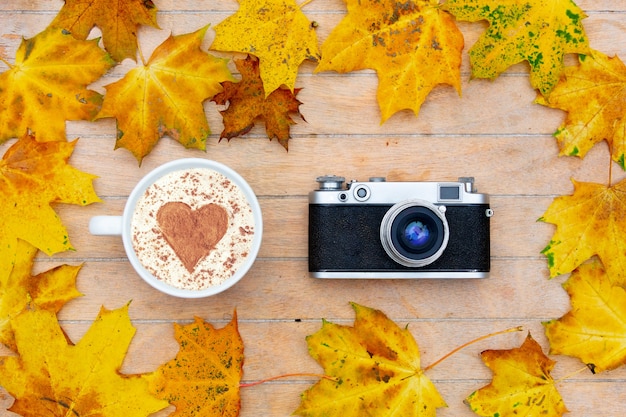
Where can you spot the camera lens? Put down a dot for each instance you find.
(414, 233)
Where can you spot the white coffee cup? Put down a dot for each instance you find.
(121, 225)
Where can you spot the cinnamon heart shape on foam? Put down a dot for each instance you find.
(192, 233)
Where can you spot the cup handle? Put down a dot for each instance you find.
(106, 225)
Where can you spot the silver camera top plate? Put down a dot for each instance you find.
(379, 191)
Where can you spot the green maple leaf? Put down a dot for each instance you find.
(538, 31)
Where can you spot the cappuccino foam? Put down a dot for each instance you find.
(196, 188)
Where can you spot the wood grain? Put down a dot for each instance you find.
(493, 132)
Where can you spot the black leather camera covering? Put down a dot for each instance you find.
(347, 238)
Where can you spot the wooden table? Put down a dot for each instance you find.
(494, 133)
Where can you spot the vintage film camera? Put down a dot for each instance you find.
(379, 229)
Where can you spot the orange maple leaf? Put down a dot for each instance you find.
(118, 21)
(540, 32)
(204, 377)
(248, 102)
(521, 385)
(33, 175)
(594, 96)
(275, 31)
(594, 330)
(48, 290)
(374, 370)
(164, 96)
(413, 46)
(47, 85)
(53, 377)
(590, 222)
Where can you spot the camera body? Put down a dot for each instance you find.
(380, 229)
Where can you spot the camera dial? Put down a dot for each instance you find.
(330, 182)
(414, 233)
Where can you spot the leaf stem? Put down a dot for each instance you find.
(262, 381)
(610, 166)
(471, 342)
(7, 63)
(572, 374)
(143, 59)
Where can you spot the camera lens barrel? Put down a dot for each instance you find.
(414, 233)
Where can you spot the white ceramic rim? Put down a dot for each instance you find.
(178, 165)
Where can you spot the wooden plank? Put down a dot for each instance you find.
(520, 165)
(283, 289)
(515, 230)
(274, 348)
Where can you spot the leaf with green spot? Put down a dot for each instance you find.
(47, 85)
(590, 222)
(165, 96)
(51, 376)
(593, 94)
(521, 384)
(594, 330)
(33, 177)
(374, 369)
(540, 32)
(204, 377)
(275, 31)
(118, 20)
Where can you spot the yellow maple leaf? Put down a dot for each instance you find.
(594, 96)
(540, 32)
(275, 31)
(594, 330)
(521, 385)
(374, 368)
(118, 21)
(247, 103)
(32, 176)
(204, 377)
(48, 290)
(413, 46)
(592, 221)
(47, 85)
(164, 96)
(53, 377)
